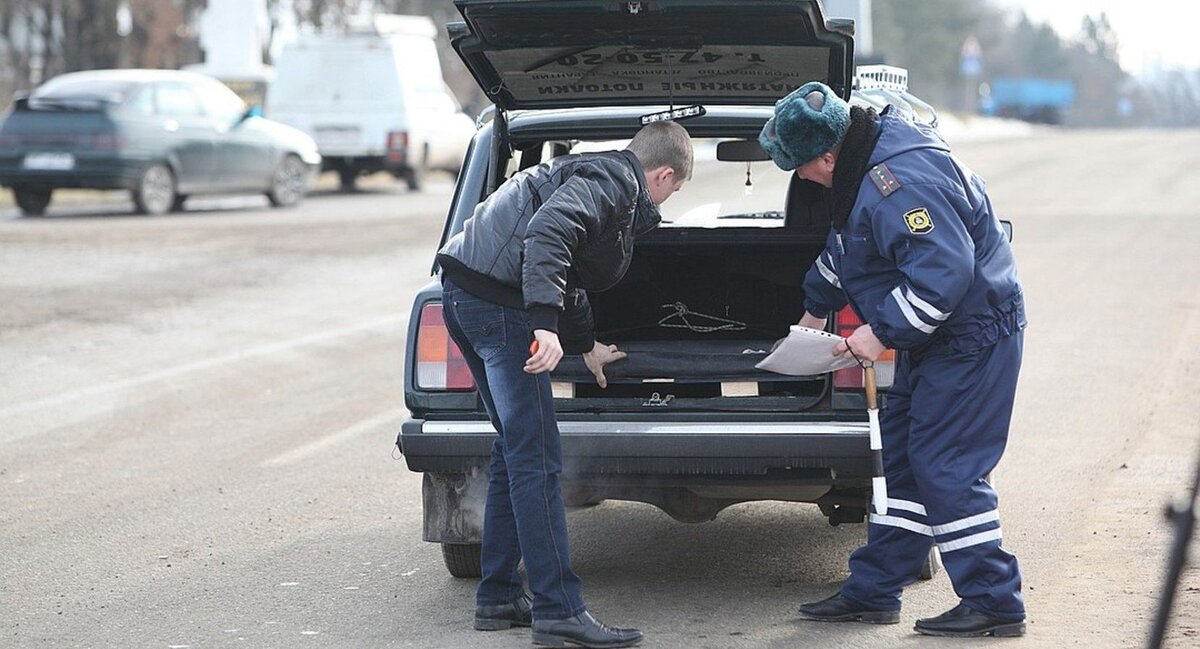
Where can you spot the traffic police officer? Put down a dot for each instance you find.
(917, 251)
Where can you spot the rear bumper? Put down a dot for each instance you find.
(90, 174)
(363, 163)
(657, 448)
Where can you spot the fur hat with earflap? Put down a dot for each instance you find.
(808, 122)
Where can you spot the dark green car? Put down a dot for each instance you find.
(164, 135)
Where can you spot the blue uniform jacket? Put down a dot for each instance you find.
(922, 258)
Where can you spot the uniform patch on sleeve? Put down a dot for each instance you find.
(885, 181)
(918, 221)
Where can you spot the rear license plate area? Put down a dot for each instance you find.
(49, 161)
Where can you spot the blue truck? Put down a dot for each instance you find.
(1031, 99)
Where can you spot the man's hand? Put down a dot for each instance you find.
(812, 322)
(864, 344)
(549, 352)
(600, 356)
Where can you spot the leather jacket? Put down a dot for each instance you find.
(551, 233)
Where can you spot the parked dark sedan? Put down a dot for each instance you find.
(164, 135)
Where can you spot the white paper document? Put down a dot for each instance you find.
(805, 352)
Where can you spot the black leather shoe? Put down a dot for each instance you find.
(583, 630)
(840, 609)
(504, 616)
(965, 622)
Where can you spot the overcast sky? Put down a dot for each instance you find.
(1150, 31)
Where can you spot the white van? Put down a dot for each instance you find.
(374, 99)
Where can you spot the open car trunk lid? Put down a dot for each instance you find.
(573, 53)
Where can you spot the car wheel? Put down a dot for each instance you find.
(32, 202)
(155, 192)
(347, 176)
(414, 175)
(413, 178)
(177, 204)
(933, 565)
(463, 559)
(289, 183)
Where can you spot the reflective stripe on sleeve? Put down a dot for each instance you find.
(828, 274)
(924, 306)
(909, 314)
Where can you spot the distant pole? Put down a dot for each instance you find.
(971, 68)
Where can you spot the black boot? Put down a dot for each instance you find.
(583, 630)
(840, 609)
(963, 621)
(504, 616)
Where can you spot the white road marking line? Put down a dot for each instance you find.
(370, 424)
(208, 363)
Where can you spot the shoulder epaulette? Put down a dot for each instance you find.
(885, 181)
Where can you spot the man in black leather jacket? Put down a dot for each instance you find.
(515, 284)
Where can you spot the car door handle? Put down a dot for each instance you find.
(171, 126)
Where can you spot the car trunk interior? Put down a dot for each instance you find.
(698, 308)
(696, 311)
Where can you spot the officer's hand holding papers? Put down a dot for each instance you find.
(805, 352)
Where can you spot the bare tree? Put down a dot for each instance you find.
(326, 13)
(161, 34)
(20, 22)
(44, 38)
(1099, 79)
(88, 38)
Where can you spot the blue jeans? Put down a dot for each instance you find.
(524, 517)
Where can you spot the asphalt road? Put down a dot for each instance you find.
(197, 415)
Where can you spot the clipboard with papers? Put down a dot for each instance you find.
(805, 352)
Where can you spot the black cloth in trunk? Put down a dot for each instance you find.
(694, 361)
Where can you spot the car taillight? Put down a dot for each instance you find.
(440, 363)
(852, 377)
(397, 146)
(397, 140)
(107, 142)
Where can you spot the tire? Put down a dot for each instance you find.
(414, 176)
(177, 204)
(155, 191)
(463, 560)
(289, 182)
(33, 202)
(347, 177)
(933, 565)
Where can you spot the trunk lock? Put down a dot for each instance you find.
(656, 401)
(634, 8)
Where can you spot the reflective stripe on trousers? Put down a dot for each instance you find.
(944, 429)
